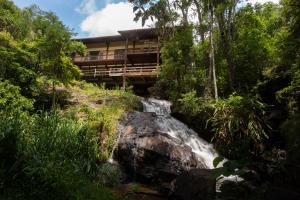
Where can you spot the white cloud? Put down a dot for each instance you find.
(110, 19)
(87, 7)
(115, 16)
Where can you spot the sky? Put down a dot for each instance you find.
(90, 18)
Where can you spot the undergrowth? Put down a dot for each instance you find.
(58, 154)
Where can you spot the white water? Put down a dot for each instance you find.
(176, 129)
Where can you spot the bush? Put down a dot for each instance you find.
(55, 149)
(238, 124)
(48, 156)
(11, 100)
(192, 105)
(109, 175)
(13, 112)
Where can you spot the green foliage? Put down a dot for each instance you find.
(54, 141)
(11, 100)
(12, 19)
(177, 73)
(192, 105)
(34, 42)
(290, 131)
(101, 109)
(109, 175)
(238, 123)
(49, 156)
(13, 112)
(254, 45)
(16, 63)
(217, 161)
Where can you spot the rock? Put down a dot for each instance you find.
(149, 155)
(195, 184)
(278, 193)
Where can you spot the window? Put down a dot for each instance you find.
(119, 53)
(94, 55)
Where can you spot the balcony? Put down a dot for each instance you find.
(114, 56)
(102, 56)
(147, 50)
(118, 72)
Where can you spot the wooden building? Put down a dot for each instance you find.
(132, 57)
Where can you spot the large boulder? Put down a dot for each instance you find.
(147, 154)
(196, 184)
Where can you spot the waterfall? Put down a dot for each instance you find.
(176, 129)
(111, 156)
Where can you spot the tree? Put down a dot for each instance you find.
(17, 63)
(176, 67)
(54, 46)
(253, 45)
(225, 15)
(212, 66)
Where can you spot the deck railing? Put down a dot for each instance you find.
(113, 55)
(110, 55)
(145, 50)
(116, 72)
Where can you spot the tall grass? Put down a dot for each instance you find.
(59, 154)
(52, 157)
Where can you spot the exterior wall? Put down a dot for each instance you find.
(121, 45)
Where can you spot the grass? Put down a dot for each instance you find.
(56, 155)
(101, 109)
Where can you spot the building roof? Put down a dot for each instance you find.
(148, 33)
(134, 34)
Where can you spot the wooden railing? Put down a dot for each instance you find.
(143, 50)
(104, 55)
(112, 55)
(116, 72)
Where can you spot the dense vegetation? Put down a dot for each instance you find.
(232, 70)
(55, 132)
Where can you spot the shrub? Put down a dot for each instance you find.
(55, 145)
(13, 114)
(238, 124)
(109, 175)
(192, 105)
(11, 100)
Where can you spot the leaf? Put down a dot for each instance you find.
(135, 8)
(217, 161)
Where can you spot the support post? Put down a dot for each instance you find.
(107, 49)
(125, 65)
(158, 52)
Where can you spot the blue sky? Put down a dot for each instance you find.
(67, 10)
(93, 17)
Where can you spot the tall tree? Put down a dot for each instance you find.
(54, 46)
(225, 15)
(212, 65)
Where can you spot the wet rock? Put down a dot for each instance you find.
(149, 155)
(195, 184)
(278, 193)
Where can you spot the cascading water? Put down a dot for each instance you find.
(176, 129)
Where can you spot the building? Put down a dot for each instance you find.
(132, 57)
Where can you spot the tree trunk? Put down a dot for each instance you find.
(53, 95)
(200, 20)
(226, 27)
(212, 52)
